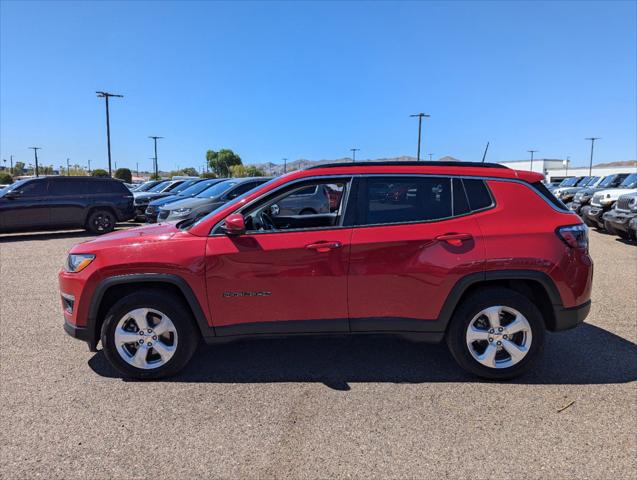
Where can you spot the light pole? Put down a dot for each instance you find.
(590, 165)
(430, 156)
(106, 96)
(155, 138)
(89, 166)
(354, 150)
(137, 168)
(285, 165)
(68, 168)
(532, 152)
(35, 152)
(568, 159)
(420, 116)
(11, 160)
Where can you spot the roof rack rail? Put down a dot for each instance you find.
(409, 164)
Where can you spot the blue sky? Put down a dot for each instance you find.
(311, 80)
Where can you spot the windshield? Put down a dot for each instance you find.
(145, 186)
(218, 189)
(195, 221)
(607, 181)
(13, 186)
(183, 186)
(198, 187)
(591, 181)
(569, 182)
(630, 181)
(159, 187)
(582, 182)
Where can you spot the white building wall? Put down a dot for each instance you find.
(554, 168)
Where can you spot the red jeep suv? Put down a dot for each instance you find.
(479, 255)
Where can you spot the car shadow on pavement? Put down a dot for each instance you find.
(586, 355)
(57, 234)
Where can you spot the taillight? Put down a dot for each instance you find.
(575, 236)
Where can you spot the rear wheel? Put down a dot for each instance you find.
(101, 221)
(496, 334)
(147, 335)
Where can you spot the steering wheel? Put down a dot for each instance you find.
(266, 221)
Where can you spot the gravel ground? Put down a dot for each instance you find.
(363, 407)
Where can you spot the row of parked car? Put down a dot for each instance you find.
(97, 204)
(608, 203)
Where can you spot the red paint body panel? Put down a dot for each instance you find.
(288, 280)
(160, 248)
(519, 233)
(403, 271)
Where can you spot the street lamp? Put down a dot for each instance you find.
(532, 152)
(565, 163)
(590, 165)
(354, 150)
(106, 96)
(35, 152)
(420, 116)
(155, 138)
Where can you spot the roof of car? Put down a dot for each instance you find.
(476, 169)
(408, 164)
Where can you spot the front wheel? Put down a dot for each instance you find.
(496, 334)
(148, 335)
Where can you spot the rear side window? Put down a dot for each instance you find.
(104, 186)
(402, 199)
(63, 186)
(460, 201)
(477, 194)
(546, 193)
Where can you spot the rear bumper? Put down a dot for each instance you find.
(567, 318)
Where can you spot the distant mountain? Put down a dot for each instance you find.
(277, 169)
(625, 163)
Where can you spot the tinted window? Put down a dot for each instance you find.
(400, 199)
(217, 190)
(106, 186)
(478, 194)
(183, 186)
(63, 186)
(172, 187)
(545, 192)
(305, 191)
(37, 187)
(198, 187)
(460, 202)
(630, 181)
(243, 188)
(159, 187)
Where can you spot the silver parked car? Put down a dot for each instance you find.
(308, 201)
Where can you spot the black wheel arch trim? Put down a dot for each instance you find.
(470, 280)
(172, 279)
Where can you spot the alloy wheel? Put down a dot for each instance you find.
(145, 338)
(499, 337)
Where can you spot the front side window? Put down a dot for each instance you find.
(404, 199)
(34, 188)
(310, 205)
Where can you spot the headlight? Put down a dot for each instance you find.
(180, 212)
(633, 205)
(77, 262)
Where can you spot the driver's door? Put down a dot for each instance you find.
(279, 281)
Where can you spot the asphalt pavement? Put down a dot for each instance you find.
(360, 407)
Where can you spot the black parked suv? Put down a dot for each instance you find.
(95, 204)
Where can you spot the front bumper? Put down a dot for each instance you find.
(81, 333)
(619, 220)
(567, 318)
(595, 214)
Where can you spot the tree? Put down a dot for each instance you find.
(18, 168)
(5, 179)
(98, 172)
(124, 174)
(245, 171)
(221, 161)
(154, 177)
(208, 175)
(190, 171)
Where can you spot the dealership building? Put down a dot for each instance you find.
(555, 169)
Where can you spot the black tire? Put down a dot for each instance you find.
(474, 304)
(609, 228)
(101, 221)
(179, 314)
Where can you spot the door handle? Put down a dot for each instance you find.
(324, 246)
(455, 239)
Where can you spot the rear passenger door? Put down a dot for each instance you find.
(67, 201)
(414, 238)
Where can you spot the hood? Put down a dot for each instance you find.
(159, 232)
(164, 200)
(614, 193)
(192, 202)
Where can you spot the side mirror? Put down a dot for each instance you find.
(13, 194)
(234, 224)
